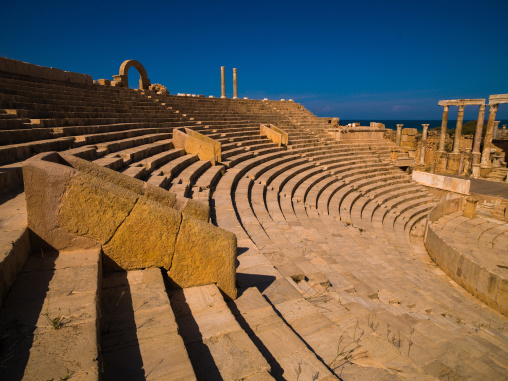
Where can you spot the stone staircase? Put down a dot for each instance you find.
(498, 174)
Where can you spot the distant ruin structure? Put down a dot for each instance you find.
(452, 160)
(123, 80)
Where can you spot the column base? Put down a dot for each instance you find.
(476, 171)
(223, 96)
(453, 162)
(235, 97)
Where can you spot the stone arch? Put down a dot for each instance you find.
(122, 80)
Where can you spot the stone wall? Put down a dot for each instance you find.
(8, 65)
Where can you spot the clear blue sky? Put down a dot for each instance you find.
(356, 60)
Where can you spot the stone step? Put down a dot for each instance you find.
(50, 317)
(289, 357)
(14, 239)
(139, 334)
(217, 345)
(341, 350)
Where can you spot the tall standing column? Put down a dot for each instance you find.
(399, 133)
(423, 146)
(223, 82)
(478, 140)
(444, 123)
(485, 163)
(235, 85)
(458, 130)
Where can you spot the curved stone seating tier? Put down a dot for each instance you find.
(317, 190)
(262, 230)
(471, 250)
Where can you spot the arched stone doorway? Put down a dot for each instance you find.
(122, 80)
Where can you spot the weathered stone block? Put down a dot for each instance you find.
(94, 208)
(144, 241)
(77, 210)
(201, 251)
(45, 185)
(154, 193)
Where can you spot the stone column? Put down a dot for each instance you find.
(496, 130)
(485, 163)
(477, 141)
(458, 130)
(423, 145)
(235, 85)
(399, 133)
(223, 82)
(444, 123)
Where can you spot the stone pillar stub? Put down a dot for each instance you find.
(235, 84)
(485, 162)
(223, 82)
(399, 133)
(458, 130)
(444, 123)
(423, 145)
(470, 207)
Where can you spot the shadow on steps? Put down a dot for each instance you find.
(121, 357)
(199, 354)
(21, 311)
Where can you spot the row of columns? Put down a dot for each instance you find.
(479, 159)
(223, 83)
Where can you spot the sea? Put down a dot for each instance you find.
(392, 124)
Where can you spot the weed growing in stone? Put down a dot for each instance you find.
(346, 352)
(298, 371)
(372, 321)
(56, 322)
(410, 341)
(66, 377)
(396, 340)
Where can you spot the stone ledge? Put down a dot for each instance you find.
(451, 184)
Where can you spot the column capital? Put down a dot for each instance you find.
(482, 107)
(425, 126)
(446, 107)
(493, 107)
(400, 125)
(461, 107)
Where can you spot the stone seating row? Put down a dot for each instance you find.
(262, 243)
